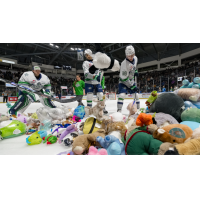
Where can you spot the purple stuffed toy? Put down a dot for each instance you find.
(22, 118)
(68, 130)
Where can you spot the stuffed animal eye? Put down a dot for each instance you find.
(174, 140)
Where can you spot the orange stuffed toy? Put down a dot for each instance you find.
(144, 119)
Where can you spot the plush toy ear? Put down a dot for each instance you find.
(161, 131)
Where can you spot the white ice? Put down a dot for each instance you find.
(18, 145)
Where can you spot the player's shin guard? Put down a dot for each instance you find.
(136, 97)
(47, 102)
(120, 102)
(89, 99)
(100, 96)
(21, 105)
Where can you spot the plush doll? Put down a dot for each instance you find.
(69, 139)
(50, 139)
(185, 83)
(82, 143)
(118, 117)
(97, 110)
(174, 133)
(95, 151)
(34, 139)
(102, 61)
(169, 103)
(196, 133)
(144, 119)
(132, 108)
(110, 126)
(139, 141)
(22, 118)
(191, 114)
(189, 94)
(69, 129)
(189, 104)
(151, 99)
(112, 144)
(79, 112)
(189, 148)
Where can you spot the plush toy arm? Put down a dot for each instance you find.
(101, 141)
(110, 138)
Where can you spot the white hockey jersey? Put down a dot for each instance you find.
(88, 76)
(28, 79)
(127, 71)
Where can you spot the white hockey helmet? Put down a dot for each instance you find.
(89, 52)
(129, 50)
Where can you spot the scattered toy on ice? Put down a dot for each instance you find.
(151, 99)
(34, 139)
(50, 139)
(79, 112)
(118, 117)
(132, 108)
(12, 128)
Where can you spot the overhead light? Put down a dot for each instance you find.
(75, 48)
(72, 49)
(7, 61)
(51, 44)
(57, 46)
(79, 49)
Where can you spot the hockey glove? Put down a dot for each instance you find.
(48, 92)
(136, 73)
(97, 77)
(134, 89)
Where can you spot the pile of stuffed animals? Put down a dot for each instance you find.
(169, 125)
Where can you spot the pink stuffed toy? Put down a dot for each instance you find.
(94, 151)
(22, 118)
(76, 119)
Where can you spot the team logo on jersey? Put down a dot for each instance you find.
(33, 81)
(124, 73)
(26, 74)
(77, 85)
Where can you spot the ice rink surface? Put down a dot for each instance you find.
(18, 145)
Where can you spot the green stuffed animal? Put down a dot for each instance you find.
(191, 114)
(139, 141)
(151, 99)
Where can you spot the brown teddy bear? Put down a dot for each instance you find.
(189, 148)
(132, 108)
(82, 143)
(174, 133)
(97, 110)
(110, 126)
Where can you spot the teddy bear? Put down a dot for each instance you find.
(109, 126)
(82, 143)
(174, 133)
(191, 147)
(97, 110)
(132, 108)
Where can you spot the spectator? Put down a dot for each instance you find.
(164, 89)
(59, 94)
(5, 96)
(171, 89)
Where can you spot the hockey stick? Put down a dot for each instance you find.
(21, 87)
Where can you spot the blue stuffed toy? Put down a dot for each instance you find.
(112, 144)
(80, 111)
(194, 84)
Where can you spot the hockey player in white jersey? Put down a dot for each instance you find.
(92, 79)
(37, 81)
(126, 78)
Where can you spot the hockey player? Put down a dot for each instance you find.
(92, 81)
(37, 81)
(126, 78)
